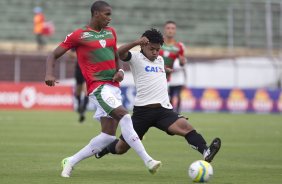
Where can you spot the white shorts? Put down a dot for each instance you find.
(106, 98)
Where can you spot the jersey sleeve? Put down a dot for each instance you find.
(129, 55)
(134, 57)
(115, 45)
(71, 40)
(115, 37)
(181, 49)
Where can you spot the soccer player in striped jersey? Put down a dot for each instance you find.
(152, 107)
(171, 51)
(95, 45)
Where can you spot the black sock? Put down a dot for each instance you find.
(78, 101)
(196, 141)
(85, 102)
(112, 147)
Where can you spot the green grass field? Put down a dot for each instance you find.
(32, 144)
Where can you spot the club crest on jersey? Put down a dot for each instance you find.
(102, 43)
(166, 53)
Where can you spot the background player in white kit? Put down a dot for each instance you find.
(178, 81)
(152, 107)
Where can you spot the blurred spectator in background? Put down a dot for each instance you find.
(172, 50)
(38, 27)
(80, 92)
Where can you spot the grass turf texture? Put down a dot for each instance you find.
(33, 143)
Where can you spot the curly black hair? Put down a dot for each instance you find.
(154, 36)
(98, 5)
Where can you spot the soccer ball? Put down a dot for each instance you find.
(200, 171)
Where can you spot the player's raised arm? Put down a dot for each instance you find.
(50, 79)
(123, 50)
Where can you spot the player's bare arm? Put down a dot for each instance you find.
(123, 50)
(119, 75)
(50, 79)
(168, 70)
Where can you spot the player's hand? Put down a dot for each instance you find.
(168, 70)
(118, 77)
(142, 41)
(182, 60)
(50, 80)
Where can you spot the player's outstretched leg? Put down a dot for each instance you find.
(198, 142)
(132, 139)
(212, 150)
(102, 153)
(108, 149)
(67, 168)
(153, 166)
(97, 143)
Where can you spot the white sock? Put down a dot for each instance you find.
(95, 145)
(132, 138)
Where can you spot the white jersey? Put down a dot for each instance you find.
(150, 80)
(178, 75)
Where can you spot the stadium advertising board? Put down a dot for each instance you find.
(35, 96)
(222, 100)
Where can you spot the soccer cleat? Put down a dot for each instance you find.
(212, 150)
(102, 153)
(67, 168)
(153, 166)
(81, 118)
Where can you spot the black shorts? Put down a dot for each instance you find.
(144, 118)
(78, 75)
(175, 91)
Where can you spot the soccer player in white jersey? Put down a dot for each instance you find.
(152, 107)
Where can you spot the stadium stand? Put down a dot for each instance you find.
(200, 22)
(202, 26)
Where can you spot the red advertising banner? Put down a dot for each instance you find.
(35, 96)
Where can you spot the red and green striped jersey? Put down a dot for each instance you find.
(95, 54)
(170, 53)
